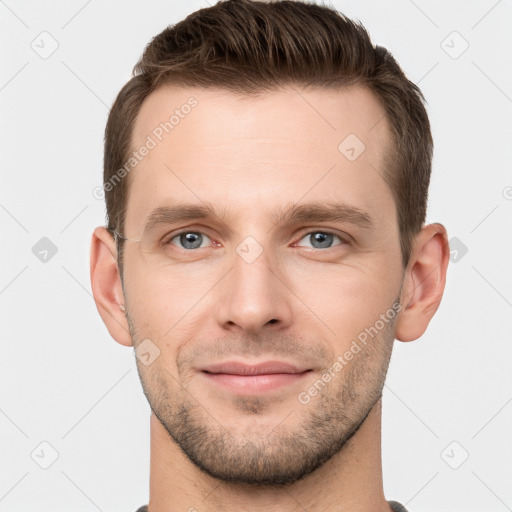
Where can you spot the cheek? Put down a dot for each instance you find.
(163, 298)
(346, 298)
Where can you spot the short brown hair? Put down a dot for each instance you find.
(248, 47)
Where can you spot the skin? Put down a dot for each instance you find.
(211, 448)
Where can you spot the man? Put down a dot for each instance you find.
(266, 177)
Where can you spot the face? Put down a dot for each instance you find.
(262, 268)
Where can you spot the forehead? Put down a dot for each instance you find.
(310, 113)
(271, 148)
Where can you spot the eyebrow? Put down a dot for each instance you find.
(291, 214)
(324, 212)
(179, 213)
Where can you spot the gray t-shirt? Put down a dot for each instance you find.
(397, 507)
(394, 505)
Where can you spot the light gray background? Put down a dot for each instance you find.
(65, 382)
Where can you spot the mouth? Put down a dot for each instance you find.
(250, 379)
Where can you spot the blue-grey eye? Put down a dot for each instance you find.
(321, 239)
(189, 240)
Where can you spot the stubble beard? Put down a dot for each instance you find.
(277, 455)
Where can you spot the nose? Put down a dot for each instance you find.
(254, 296)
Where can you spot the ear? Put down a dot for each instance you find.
(106, 285)
(424, 281)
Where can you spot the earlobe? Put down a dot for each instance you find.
(106, 285)
(424, 282)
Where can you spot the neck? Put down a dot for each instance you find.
(349, 481)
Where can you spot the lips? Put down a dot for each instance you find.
(264, 368)
(251, 379)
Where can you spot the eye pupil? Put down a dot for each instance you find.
(321, 240)
(191, 240)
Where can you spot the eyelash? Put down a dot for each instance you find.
(342, 239)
